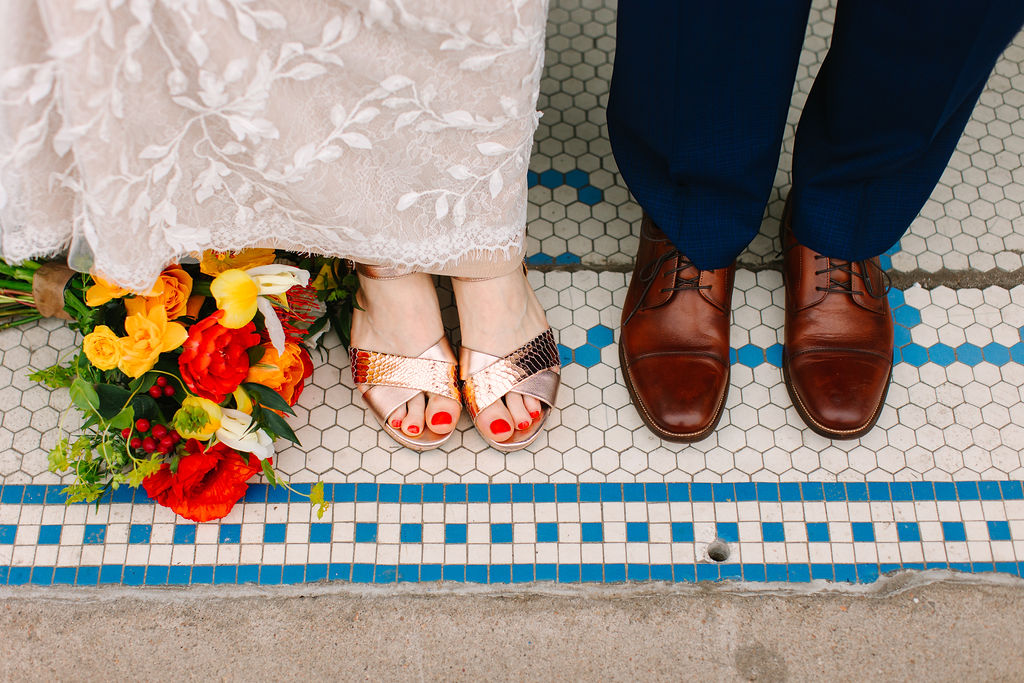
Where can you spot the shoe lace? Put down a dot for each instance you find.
(846, 285)
(650, 272)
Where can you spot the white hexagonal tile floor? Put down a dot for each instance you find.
(937, 484)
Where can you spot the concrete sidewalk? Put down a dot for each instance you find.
(912, 626)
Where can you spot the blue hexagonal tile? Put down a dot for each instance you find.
(908, 316)
(750, 355)
(969, 354)
(896, 298)
(531, 178)
(1017, 352)
(539, 260)
(566, 259)
(590, 195)
(773, 354)
(564, 354)
(587, 355)
(997, 354)
(576, 178)
(915, 355)
(552, 179)
(600, 336)
(942, 354)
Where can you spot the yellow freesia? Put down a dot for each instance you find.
(102, 347)
(148, 335)
(237, 291)
(236, 295)
(242, 400)
(216, 262)
(103, 291)
(198, 418)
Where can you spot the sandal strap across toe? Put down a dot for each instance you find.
(532, 369)
(388, 381)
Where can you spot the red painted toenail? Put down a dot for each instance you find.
(523, 425)
(413, 429)
(499, 426)
(535, 414)
(396, 424)
(441, 419)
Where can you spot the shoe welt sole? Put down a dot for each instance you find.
(676, 437)
(817, 427)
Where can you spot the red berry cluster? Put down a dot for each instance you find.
(155, 438)
(161, 388)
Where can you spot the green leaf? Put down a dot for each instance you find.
(268, 472)
(56, 376)
(255, 354)
(84, 396)
(145, 406)
(113, 399)
(267, 397)
(142, 470)
(124, 419)
(143, 384)
(276, 424)
(58, 456)
(316, 497)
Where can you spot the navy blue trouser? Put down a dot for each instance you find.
(701, 90)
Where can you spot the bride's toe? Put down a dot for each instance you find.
(495, 422)
(517, 409)
(441, 414)
(412, 424)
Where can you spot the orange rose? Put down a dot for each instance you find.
(285, 374)
(175, 286)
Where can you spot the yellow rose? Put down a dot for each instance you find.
(149, 335)
(216, 262)
(102, 348)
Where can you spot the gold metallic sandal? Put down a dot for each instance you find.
(388, 381)
(533, 369)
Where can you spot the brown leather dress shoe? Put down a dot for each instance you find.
(674, 344)
(837, 359)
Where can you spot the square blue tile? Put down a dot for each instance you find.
(49, 534)
(908, 531)
(366, 532)
(7, 533)
(454, 533)
(817, 532)
(274, 533)
(411, 533)
(637, 532)
(339, 571)
(95, 534)
(728, 531)
(140, 533)
(772, 532)
(184, 533)
(229, 533)
(501, 533)
(999, 531)
(320, 532)
(682, 532)
(547, 532)
(863, 532)
(592, 532)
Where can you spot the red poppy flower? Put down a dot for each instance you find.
(215, 360)
(207, 484)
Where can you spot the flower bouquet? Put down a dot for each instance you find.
(184, 389)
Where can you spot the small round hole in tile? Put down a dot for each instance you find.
(718, 550)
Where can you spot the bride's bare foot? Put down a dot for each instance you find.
(402, 316)
(497, 316)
